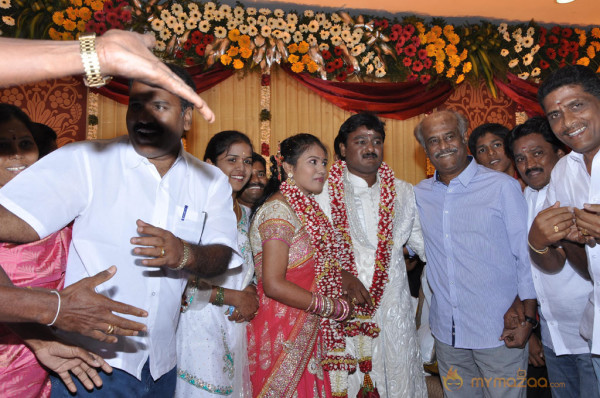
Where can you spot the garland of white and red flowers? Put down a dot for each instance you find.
(364, 327)
(329, 282)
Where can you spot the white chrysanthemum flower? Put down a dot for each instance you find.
(220, 32)
(252, 31)
(335, 18)
(377, 62)
(347, 36)
(503, 27)
(380, 72)
(264, 11)
(179, 29)
(358, 49)
(195, 14)
(286, 37)
(517, 32)
(506, 36)
(225, 9)
(231, 24)
(204, 26)
(251, 21)
(243, 29)
(280, 24)
(251, 11)
(276, 33)
(370, 69)
(327, 25)
(336, 40)
(321, 18)
(518, 48)
(370, 54)
(365, 60)
(209, 15)
(165, 34)
(219, 16)
(313, 26)
(358, 32)
(165, 14)
(279, 13)
(265, 31)
(311, 40)
(290, 28)
(271, 22)
(182, 17)
(261, 20)
(303, 28)
(157, 24)
(10, 21)
(176, 8)
(160, 45)
(504, 52)
(171, 21)
(324, 34)
(210, 6)
(192, 6)
(238, 12)
(527, 42)
(336, 30)
(523, 75)
(513, 62)
(323, 47)
(191, 24)
(297, 37)
(527, 59)
(292, 18)
(309, 13)
(530, 31)
(535, 49)
(536, 72)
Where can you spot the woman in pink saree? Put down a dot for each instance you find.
(299, 287)
(39, 264)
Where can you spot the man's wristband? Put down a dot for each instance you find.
(534, 322)
(186, 255)
(543, 251)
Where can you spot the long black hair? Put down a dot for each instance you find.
(221, 142)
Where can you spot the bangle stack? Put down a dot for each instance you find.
(219, 297)
(326, 307)
(542, 251)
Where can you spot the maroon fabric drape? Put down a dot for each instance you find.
(118, 89)
(522, 92)
(392, 100)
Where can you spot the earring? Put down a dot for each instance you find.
(290, 179)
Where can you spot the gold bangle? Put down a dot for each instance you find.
(186, 255)
(543, 251)
(219, 297)
(91, 63)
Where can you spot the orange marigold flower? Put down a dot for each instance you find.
(85, 13)
(306, 59)
(460, 78)
(81, 25)
(467, 66)
(293, 48)
(97, 5)
(437, 30)
(71, 13)
(454, 38)
(244, 41)
(233, 51)
(430, 37)
(439, 67)
(234, 35)
(582, 39)
(420, 27)
(54, 35)
(312, 67)
(454, 60)
(67, 36)
(585, 61)
(439, 43)
(298, 67)
(303, 47)
(448, 30)
(245, 52)
(596, 45)
(440, 55)
(225, 59)
(451, 49)
(58, 18)
(238, 64)
(76, 3)
(69, 25)
(450, 72)
(596, 33)
(464, 54)
(591, 52)
(87, 2)
(292, 58)
(430, 50)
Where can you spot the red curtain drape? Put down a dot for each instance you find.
(392, 100)
(522, 92)
(118, 89)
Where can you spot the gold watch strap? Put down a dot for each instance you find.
(91, 64)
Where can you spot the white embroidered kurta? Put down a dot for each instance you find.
(397, 366)
(212, 355)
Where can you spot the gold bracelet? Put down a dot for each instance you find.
(219, 297)
(91, 63)
(186, 255)
(543, 251)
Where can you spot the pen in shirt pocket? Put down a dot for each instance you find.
(184, 212)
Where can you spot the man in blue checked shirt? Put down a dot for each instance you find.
(474, 223)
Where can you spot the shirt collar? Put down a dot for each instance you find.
(465, 176)
(359, 182)
(134, 159)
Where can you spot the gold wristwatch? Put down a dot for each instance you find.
(91, 64)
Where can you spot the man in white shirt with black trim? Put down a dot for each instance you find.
(570, 223)
(562, 296)
(144, 204)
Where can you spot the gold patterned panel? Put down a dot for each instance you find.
(58, 103)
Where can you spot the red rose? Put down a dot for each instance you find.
(125, 15)
(341, 76)
(178, 54)
(410, 29)
(264, 149)
(575, 57)
(196, 37)
(326, 54)
(384, 23)
(542, 41)
(350, 69)
(108, 5)
(567, 32)
(422, 53)
(337, 51)
(564, 44)
(330, 67)
(397, 28)
(416, 40)
(413, 77)
(338, 63)
(425, 79)
(208, 39)
(91, 26)
(551, 53)
(100, 28)
(544, 64)
(555, 30)
(394, 35)
(200, 49)
(100, 16)
(563, 52)
(407, 61)
(552, 39)
(427, 63)
(543, 31)
(189, 61)
(417, 66)
(410, 50)
(562, 64)
(265, 80)
(573, 46)
(399, 48)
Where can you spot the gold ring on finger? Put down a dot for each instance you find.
(162, 252)
(585, 232)
(556, 228)
(110, 329)
(353, 301)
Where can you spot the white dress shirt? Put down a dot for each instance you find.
(572, 186)
(562, 296)
(105, 186)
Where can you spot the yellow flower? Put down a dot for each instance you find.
(69, 25)
(440, 55)
(67, 36)
(454, 38)
(464, 54)
(292, 58)
(81, 25)
(233, 51)
(234, 35)
(596, 33)
(312, 67)
(439, 67)
(245, 52)
(430, 37)
(306, 59)
(450, 72)
(77, 3)
(467, 66)
(244, 41)
(596, 45)
(225, 59)
(585, 61)
(85, 13)
(97, 5)
(420, 27)
(582, 39)
(58, 18)
(439, 43)
(451, 50)
(238, 64)
(293, 48)
(298, 67)
(453, 60)
(460, 78)
(437, 30)
(54, 35)
(431, 50)
(71, 13)
(303, 47)
(448, 30)
(591, 52)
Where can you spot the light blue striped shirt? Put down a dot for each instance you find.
(475, 232)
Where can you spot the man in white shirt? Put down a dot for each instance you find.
(562, 296)
(361, 191)
(571, 99)
(144, 204)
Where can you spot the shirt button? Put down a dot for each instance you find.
(154, 293)
(446, 211)
(452, 283)
(446, 235)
